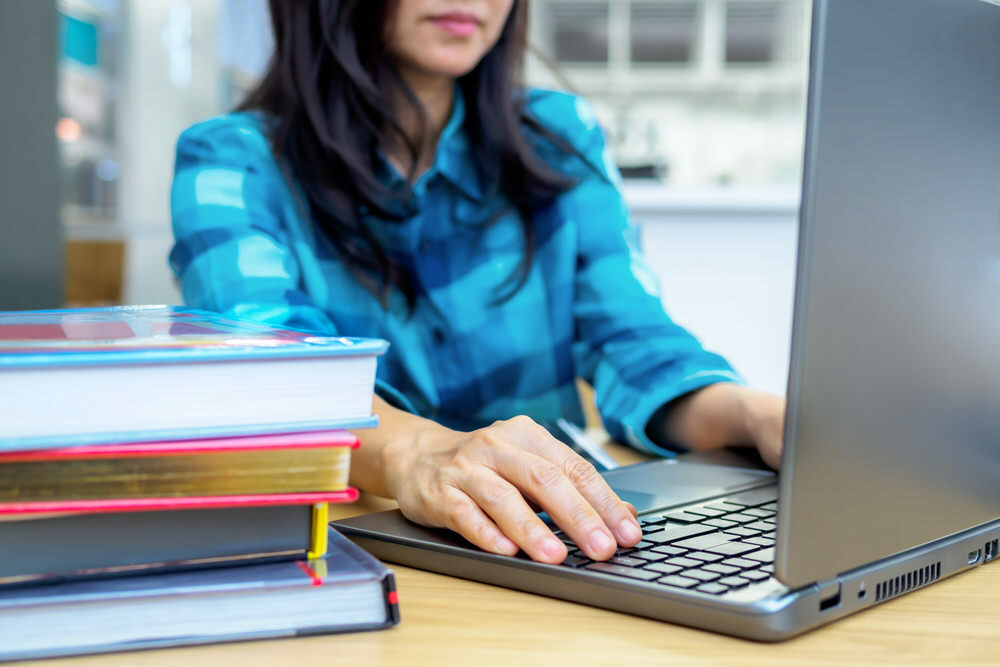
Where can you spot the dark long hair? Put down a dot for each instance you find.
(330, 91)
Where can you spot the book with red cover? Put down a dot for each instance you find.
(114, 477)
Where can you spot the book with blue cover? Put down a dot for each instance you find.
(347, 590)
(142, 373)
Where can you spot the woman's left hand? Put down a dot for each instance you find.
(724, 414)
(765, 418)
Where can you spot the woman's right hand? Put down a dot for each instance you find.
(488, 485)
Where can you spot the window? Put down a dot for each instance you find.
(579, 31)
(663, 32)
(753, 32)
(702, 92)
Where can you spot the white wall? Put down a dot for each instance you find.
(726, 265)
(157, 105)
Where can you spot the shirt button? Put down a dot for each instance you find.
(438, 334)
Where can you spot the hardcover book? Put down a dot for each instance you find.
(51, 540)
(262, 464)
(348, 590)
(125, 374)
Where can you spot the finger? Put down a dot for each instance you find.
(545, 482)
(505, 505)
(463, 515)
(615, 514)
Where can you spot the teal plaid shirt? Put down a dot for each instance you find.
(590, 307)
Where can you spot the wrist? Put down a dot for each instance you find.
(400, 455)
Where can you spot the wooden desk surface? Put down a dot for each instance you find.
(452, 621)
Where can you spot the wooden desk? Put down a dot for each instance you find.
(451, 621)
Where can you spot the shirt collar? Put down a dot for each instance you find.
(453, 159)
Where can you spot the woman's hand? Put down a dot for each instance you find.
(724, 414)
(765, 422)
(488, 485)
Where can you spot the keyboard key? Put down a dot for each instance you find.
(762, 541)
(683, 562)
(763, 556)
(734, 582)
(627, 561)
(669, 550)
(575, 561)
(771, 506)
(704, 511)
(720, 568)
(649, 555)
(724, 506)
(721, 523)
(704, 556)
(741, 517)
(673, 532)
(742, 563)
(663, 568)
(758, 512)
(767, 567)
(755, 497)
(678, 581)
(704, 541)
(683, 517)
(740, 531)
(733, 548)
(761, 526)
(643, 544)
(702, 575)
(621, 571)
(645, 521)
(755, 575)
(713, 588)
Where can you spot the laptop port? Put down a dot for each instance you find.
(974, 556)
(991, 550)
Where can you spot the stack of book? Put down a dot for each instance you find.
(165, 477)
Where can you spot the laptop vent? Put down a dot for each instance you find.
(905, 583)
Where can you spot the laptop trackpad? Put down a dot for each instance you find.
(660, 484)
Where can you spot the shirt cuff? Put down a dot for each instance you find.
(634, 425)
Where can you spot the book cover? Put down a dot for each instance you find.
(65, 539)
(97, 376)
(154, 334)
(273, 463)
(348, 590)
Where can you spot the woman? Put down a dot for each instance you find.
(388, 178)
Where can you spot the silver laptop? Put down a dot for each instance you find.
(891, 472)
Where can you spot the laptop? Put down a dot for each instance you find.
(890, 479)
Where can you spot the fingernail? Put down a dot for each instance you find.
(629, 531)
(552, 547)
(505, 546)
(599, 542)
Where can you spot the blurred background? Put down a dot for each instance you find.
(703, 102)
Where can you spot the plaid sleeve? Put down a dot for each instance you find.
(232, 253)
(626, 346)
(233, 249)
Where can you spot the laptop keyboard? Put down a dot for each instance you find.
(714, 548)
